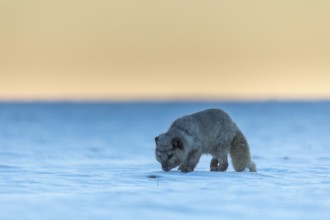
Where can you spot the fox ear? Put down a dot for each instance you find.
(156, 139)
(177, 143)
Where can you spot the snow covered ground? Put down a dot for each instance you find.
(96, 161)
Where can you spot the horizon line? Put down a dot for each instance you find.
(160, 100)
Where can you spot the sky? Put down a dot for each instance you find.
(173, 49)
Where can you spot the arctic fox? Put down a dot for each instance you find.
(211, 131)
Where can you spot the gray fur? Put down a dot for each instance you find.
(210, 131)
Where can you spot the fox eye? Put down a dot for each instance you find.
(169, 156)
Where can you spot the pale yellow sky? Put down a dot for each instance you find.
(173, 49)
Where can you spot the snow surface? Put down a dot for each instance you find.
(96, 161)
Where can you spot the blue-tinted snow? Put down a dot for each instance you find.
(95, 160)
